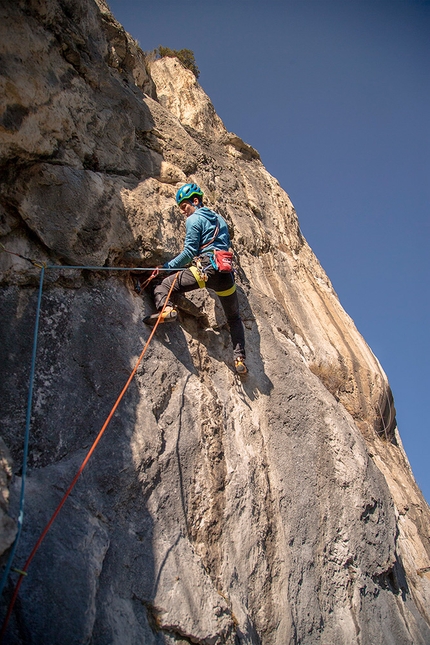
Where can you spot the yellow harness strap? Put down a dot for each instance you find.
(196, 274)
(227, 292)
(202, 284)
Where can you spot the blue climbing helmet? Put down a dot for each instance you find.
(188, 191)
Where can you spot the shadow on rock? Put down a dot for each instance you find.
(94, 572)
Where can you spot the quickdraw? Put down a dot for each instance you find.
(201, 269)
(141, 286)
(39, 265)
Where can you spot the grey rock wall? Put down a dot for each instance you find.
(275, 509)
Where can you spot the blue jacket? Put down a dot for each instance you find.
(200, 229)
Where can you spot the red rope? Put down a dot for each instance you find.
(151, 277)
(79, 473)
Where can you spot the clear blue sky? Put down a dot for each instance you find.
(335, 95)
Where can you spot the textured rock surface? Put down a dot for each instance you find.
(277, 509)
(7, 524)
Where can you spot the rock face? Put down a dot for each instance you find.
(277, 509)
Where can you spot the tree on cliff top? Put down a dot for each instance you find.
(185, 56)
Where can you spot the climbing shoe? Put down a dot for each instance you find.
(240, 366)
(169, 315)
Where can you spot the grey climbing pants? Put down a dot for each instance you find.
(218, 282)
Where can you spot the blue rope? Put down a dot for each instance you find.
(61, 266)
(91, 268)
(26, 436)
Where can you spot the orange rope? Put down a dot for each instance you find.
(151, 277)
(79, 473)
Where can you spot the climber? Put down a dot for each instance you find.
(206, 238)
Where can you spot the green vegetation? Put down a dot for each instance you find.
(185, 57)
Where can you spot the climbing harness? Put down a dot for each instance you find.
(227, 292)
(23, 572)
(199, 270)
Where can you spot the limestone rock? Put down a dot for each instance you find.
(276, 509)
(7, 524)
(179, 92)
